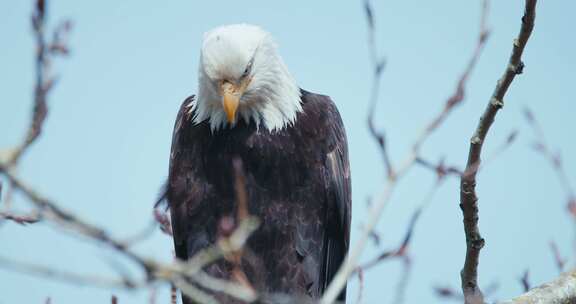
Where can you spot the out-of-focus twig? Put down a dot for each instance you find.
(468, 198)
(52, 211)
(163, 220)
(65, 276)
(400, 251)
(404, 279)
(152, 295)
(558, 259)
(360, 285)
(460, 93)
(441, 169)
(378, 64)
(448, 293)
(21, 219)
(525, 280)
(555, 160)
(173, 294)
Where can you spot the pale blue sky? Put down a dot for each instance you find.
(105, 150)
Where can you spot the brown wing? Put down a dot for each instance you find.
(183, 192)
(338, 189)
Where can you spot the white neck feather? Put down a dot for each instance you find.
(272, 98)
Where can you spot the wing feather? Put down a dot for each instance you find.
(337, 187)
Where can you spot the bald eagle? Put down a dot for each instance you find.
(292, 145)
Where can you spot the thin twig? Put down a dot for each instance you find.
(468, 198)
(45, 51)
(360, 285)
(460, 92)
(21, 219)
(401, 250)
(448, 293)
(173, 294)
(400, 294)
(558, 259)
(52, 211)
(525, 280)
(378, 63)
(555, 160)
(68, 277)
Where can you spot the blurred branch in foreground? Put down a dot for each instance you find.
(177, 273)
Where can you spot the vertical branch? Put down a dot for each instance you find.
(468, 198)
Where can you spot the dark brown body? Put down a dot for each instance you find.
(298, 185)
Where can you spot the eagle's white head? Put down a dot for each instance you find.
(242, 76)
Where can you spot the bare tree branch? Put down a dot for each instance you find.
(468, 198)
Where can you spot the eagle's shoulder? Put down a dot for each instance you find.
(320, 116)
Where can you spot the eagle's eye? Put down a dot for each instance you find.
(248, 68)
(246, 71)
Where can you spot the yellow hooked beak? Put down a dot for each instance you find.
(231, 94)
